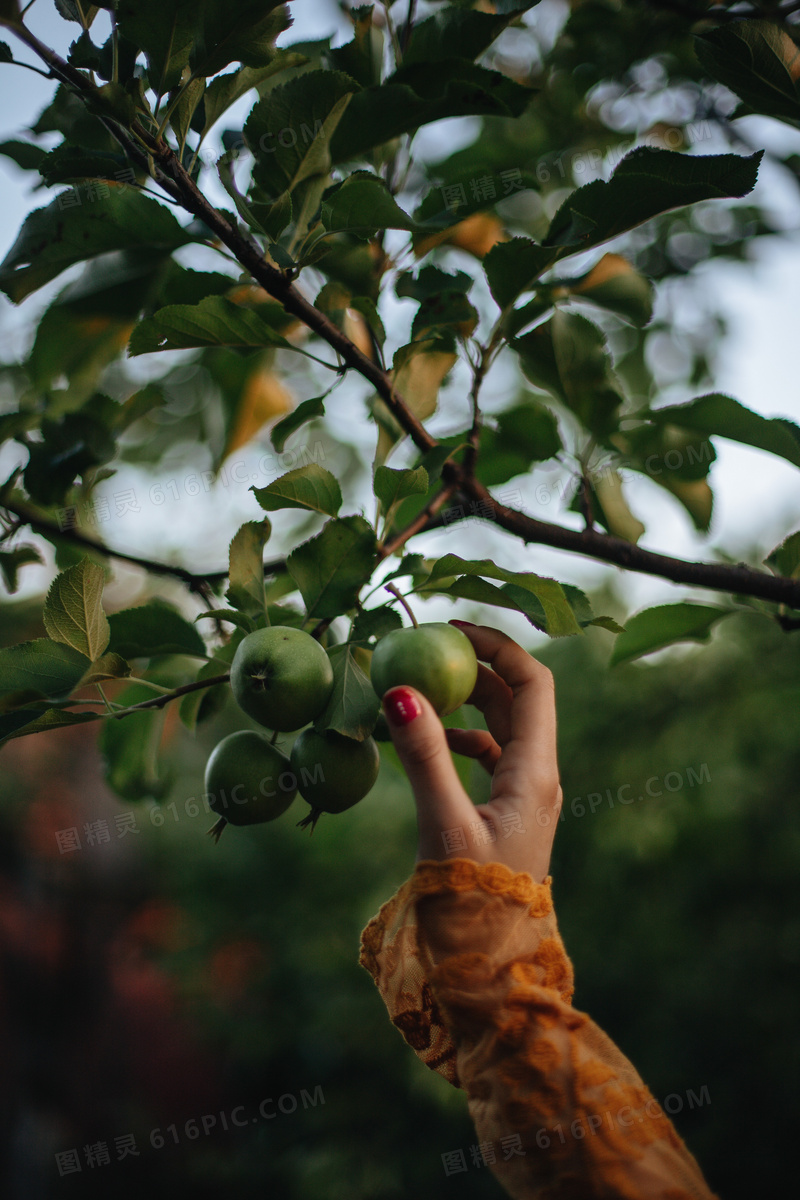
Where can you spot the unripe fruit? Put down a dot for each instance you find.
(437, 659)
(247, 780)
(281, 677)
(333, 772)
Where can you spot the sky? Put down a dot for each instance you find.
(757, 496)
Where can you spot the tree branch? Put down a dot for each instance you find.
(160, 701)
(196, 583)
(606, 548)
(173, 177)
(421, 522)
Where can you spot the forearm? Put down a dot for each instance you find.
(472, 969)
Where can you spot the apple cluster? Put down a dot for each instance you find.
(283, 678)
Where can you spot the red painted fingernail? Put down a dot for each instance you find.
(471, 624)
(401, 706)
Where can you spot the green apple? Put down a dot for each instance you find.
(248, 780)
(437, 659)
(333, 772)
(281, 677)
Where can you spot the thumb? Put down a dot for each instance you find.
(419, 739)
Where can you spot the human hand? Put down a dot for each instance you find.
(516, 694)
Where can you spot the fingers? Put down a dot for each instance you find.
(493, 697)
(475, 743)
(528, 773)
(419, 739)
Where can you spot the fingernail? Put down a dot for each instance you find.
(469, 623)
(401, 706)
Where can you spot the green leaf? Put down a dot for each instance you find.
(184, 110)
(69, 447)
(460, 195)
(74, 164)
(310, 487)
(73, 611)
(454, 33)
(38, 668)
(246, 572)
(331, 568)
(164, 30)
(363, 203)
(233, 616)
(559, 617)
(614, 284)
(205, 703)
(758, 61)
(71, 10)
(12, 560)
(430, 282)
(647, 182)
(525, 434)
(353, 706)
(307, 410)
(657, 627)
(225, 90)
(514, 267)
(567, 356)
(785, 559)
(290, 129)
(108, 666)
(53, 238)
(51, 718)
(410, 564)
(391, 486)
(375, 623)
(215, 321)
(152, 629)
(129, 747)
(242, 32)
(420, 93)
(481, 591)
(721, 415)
(24, 154)
(585, 370)
(584, 613)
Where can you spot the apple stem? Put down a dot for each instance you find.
(216, 830)
(311, 819)
(391, 588)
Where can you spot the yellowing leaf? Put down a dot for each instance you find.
(263, 398)
(790, 54)
(419, 378)
(357, 330)
(695, 495)
(476, 234)
(619, 518)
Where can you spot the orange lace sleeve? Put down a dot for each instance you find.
(472, 969)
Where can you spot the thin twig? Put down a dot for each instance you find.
(421, 522)
(39, 523)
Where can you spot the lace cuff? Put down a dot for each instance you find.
(449, 923)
